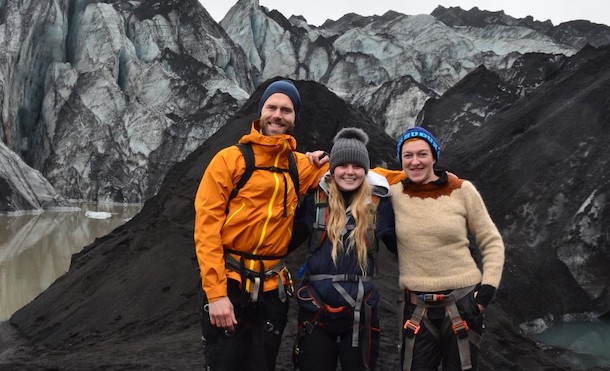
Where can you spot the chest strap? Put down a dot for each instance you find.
(258, 277)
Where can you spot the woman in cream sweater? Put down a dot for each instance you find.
(427, 223)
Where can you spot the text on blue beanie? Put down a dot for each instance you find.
(421, 133)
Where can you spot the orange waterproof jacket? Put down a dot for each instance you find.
(255, 222)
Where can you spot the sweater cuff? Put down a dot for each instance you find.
(485, 294)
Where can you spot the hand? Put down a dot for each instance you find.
(318, 157)
(222, 314)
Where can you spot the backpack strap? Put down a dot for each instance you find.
(320, 203)
(248, 153)
(293, 171)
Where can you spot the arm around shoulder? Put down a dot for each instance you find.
(309, 174)
(393, 176)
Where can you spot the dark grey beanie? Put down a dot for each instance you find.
(350, 148)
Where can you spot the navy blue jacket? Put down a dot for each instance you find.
(320, 262)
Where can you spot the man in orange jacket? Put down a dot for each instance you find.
(240, 240)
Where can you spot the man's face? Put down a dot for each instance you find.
(277, 115)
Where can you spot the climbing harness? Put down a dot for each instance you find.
(453, 321)
(285, 284)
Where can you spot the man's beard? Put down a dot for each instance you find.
(265, 129)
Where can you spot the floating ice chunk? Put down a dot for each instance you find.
(98, 215)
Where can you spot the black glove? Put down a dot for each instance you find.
(485, 294)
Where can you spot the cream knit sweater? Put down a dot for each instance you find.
(432, 223)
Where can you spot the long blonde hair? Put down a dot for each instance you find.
(337, 220)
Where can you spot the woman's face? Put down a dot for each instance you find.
(349, 177)
(417, 161)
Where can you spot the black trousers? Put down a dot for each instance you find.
(331, 341)
(429, 353)
(255, 344)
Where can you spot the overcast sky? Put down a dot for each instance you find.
(318, 11)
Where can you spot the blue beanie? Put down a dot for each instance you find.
(420, 133)
(284, 87)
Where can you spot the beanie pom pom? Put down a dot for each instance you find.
(352, 133)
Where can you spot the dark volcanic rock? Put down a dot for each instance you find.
(543, 168)
(456, 16)
(580, 33)
(576, 33)
(467, 105)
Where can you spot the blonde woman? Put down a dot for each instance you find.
(338, 319)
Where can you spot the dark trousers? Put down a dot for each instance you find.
(255, 344)
(429, 353)
(331, 341)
